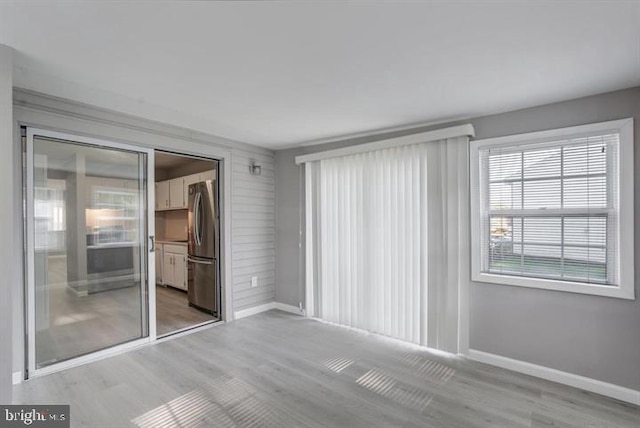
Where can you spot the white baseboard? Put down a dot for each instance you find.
(252, 311)
(266, 307)
(289, 308)
(588, 384)
(17, 377)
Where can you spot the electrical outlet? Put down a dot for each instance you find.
(254, 281)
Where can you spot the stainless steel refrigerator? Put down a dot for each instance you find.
(203, 235)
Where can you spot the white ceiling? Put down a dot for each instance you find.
(277, 74)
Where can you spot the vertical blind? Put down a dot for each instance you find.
(550, 210)
(387, 227)
(372, 236)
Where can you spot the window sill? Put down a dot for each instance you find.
(619, 292)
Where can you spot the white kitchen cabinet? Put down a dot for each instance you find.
(180, 271)
(174, 269)
(176, 194)
(162, 195)
(170, 195)
(168, 275)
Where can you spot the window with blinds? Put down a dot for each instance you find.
(549, 208)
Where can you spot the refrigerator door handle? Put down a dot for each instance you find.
(196, 210)
(202, 262)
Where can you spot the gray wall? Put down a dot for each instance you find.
(253, 229)
(592, 336)
(7, 230)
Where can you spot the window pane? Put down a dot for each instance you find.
(89, 286)
(546, 180)
(542, 194)
(533, 252)
(542, 163)
(585, 159)
(504, 165)
(542, 260)
(547, 230)
(507, 263)
(506, 196)
(585, 192)
(517, 229)
(585, 231)
(585, 254)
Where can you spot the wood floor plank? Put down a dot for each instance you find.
(279, 370)
(174, 313)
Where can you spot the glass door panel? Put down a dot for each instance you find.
(88, 250)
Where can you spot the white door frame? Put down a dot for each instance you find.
(145, 235)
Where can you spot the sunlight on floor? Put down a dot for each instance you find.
(224, 402)
(383, 384)
(433, 370)
(338, 364)
(71, 318)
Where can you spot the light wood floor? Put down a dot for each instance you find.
(174, 313)
(79, 325)
(72, 325)
(279, 370)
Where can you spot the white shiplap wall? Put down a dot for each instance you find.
(253, 221)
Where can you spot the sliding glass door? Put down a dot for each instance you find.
(87, 240)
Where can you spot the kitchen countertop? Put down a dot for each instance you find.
(170, 241)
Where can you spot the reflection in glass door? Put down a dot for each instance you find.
(86, 246)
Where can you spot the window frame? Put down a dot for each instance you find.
(624, 265)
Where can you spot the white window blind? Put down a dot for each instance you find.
(386, 240)
(372, 236)
(549, 206)
(550, 209)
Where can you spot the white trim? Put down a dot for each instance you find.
(110, 352)
(550, 284)
(244, 313)
(626, 260)
(151, 257)
(288, 308)
(563, 133)
(588, 384)
(309, 255)
(150, 274)
(254, 310)
(29, 246)
(73, 138)
(369, 133)
(226, 268)
(89, 358)
(188, 330)
(17, 377)
(626, 287)
(422, 137)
